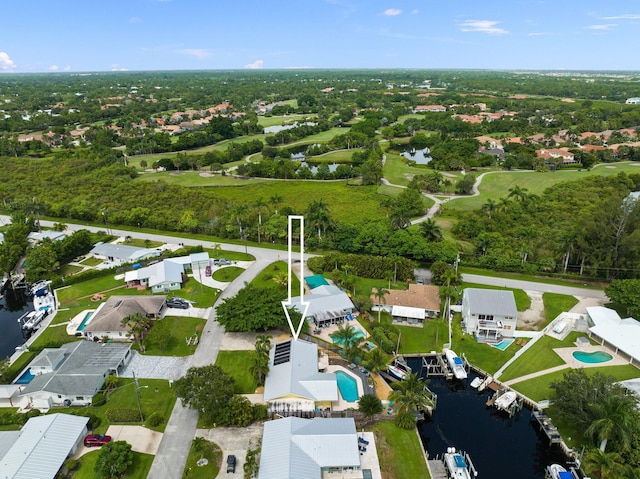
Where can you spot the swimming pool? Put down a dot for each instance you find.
(502, 345)
(592, 358)
(25, 377)
(358, 333)
(85, 320)
(348, 386)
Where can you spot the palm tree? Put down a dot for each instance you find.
(504, 204)
(138, 325)
(410, 396)
(376, 360)
(399, 218)
(259, 205)
(263, 344)
(489, 207)
(369, 405)
(617, 418)
(260, 359)
(519, 193)
(351, 342)
(276, 199)
(317, 214)
(605, 465)
(380, 295)
(430, 230)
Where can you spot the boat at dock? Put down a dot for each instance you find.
(556, 471)
(456, 364)
(397, 371)
(459, 465)
(477, 381)
(505, 400)
(32, 319)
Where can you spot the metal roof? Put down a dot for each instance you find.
(299, 375)
(407, 312)
(315, 281)
(324, 298)
(82, 373)
(42, 447)
(491, 301)
(299, 448)
(623, 334)
(123, 252)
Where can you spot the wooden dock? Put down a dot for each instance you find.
(547, 426)
(437, 469)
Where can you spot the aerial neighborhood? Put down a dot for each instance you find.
(310, 274)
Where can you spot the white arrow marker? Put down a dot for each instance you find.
(295, 331)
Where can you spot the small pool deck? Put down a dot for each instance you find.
(341, 404)
(74, 324)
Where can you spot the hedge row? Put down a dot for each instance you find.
(365, 266)
(122, 414)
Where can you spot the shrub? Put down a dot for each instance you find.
(99, 400)
(71, 464)
(155, 420)
(260, 412)
(94, 421)
(122, 415)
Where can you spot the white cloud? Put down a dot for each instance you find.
(134, 20)
(199, 53)
(482, 26)
(415, 11)
(602, 27)
(117, 68)
(53, 68)
(255, 65)
(392, 12)
(67, 68)
(624, 16)
(6, 63)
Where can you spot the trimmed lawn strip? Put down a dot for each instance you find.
(138, 470)
(555, 304)
(236, 363)
(209, 451)
(399, 452)
(540, 356)
(195, 179)
(142, 243)
(156, 397)
(527, 277)
(539, 388)
(92, 286)
(168, 336)
(70, 269)
(265, 278)
(91, 261)
(227, 274)
(200, 295)
(523, 302)
(230, 255)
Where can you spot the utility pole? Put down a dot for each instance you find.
(135, 382)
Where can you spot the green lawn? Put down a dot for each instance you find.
(91, 261)
(337, 156)
(555, 304)
(526, 277)
(168, 337)
(496, 185)
(88, 288)
(156, 396)
(201, 296)
(230, 255)
(207, 450)
(142, 243)
(138, 470)
(265, 278)
(52, 337)
(237, 363)
(265, 121)
(227, 274)
(399, 452)
(539, 388)
(198, 179)
(70, 269)
(540, 356)
(397, 172)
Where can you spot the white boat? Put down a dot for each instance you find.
(459, 465)
(456, 364)
(504, 401)
(33, 319)
(477, 381)
(556, 471)
(397, 372)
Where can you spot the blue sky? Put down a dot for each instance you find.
(104, 35)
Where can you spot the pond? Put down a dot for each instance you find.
(278, 128)
(421, 157)
(499, 446)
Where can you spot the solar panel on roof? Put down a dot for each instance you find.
(282, 353)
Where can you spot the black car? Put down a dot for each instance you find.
(231, 463)
(177, 303)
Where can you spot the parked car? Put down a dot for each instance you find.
(231, 463)
(222, 262)
(207, 271)
(177, 303)
(96, 440)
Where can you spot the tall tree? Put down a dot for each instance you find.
(139, 326)
(369, 405)
(381, 298)
(114, 459)
(207, 389)
(318, 217)
(617, 418)
(430, 230)
(410, 396)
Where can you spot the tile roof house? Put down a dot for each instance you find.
(107, 318)
(294, 383)
(490, 315)
(295, 448)
(411, 306)
(41, 447)
(568, 158)
(429, 108)
(73, 373)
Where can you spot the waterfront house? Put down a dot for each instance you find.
(489, 314)
(411, 306)
(609, 329)
(327, 305)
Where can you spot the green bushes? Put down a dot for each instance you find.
(71, 464)
(366, 266)
(155, 420)
(99, 400)
(386, 336)
(16, 418)
(123, 415)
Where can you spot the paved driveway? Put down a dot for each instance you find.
(156, 367)
(141, 439)
(233, 441)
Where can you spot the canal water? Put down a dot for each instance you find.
(499, 446)
(12, 306)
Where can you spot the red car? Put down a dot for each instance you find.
(207, 271)
(96, 440)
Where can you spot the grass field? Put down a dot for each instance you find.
(236, 363)
(197, 179)
(209, 451)
(399, 452)
(265, 121)
(227, 274)
(554, 304)
(168, 337)
(138, 470)
(526, 277)
(397, 172)
(265, 278)
(496, 185)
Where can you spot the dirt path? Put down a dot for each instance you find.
(533, 319)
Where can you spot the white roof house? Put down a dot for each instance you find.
(41, 447)
(160, 277)
(408, 312)
(38, 236)
(123, 253)
(305, 448)
(325, 299)
(621, 334)
(293, 373)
